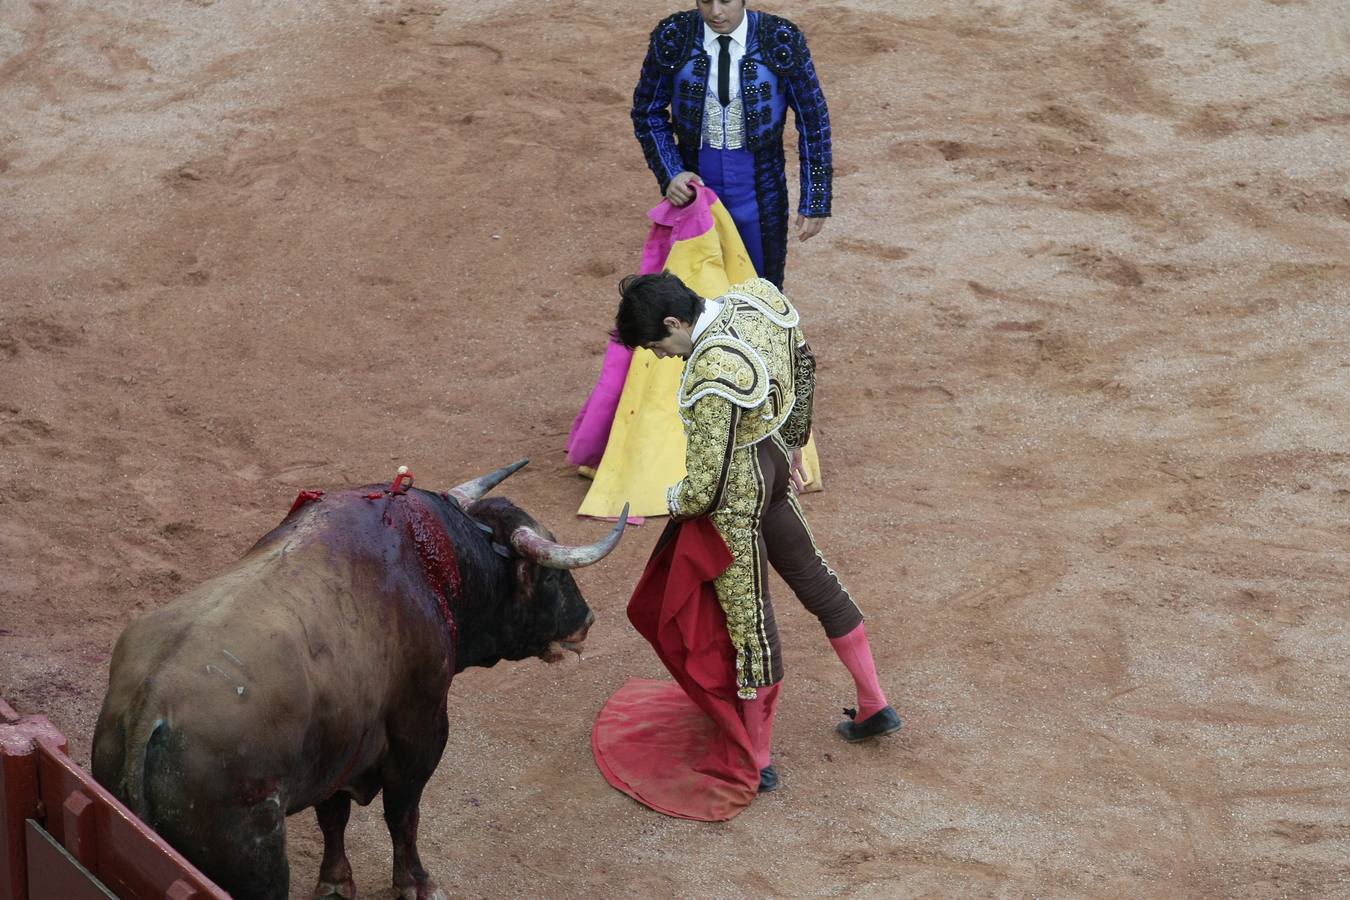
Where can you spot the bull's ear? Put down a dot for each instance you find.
(525, 574)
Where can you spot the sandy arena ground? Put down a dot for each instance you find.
(1082, 322)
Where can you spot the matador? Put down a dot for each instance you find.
(746, 402)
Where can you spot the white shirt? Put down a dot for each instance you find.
(711, 310)
(737, 50)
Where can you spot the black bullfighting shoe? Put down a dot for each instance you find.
(768, 779)
(886, 721)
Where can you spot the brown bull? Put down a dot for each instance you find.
(315, 671)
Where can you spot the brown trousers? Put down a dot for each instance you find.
(785, 542)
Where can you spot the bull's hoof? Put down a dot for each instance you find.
(426, 890)
(340, 890)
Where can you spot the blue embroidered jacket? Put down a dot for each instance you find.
(776, 74)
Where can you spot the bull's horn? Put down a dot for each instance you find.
(552, 555)
(470, 491)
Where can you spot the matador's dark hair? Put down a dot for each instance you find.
(645, 301)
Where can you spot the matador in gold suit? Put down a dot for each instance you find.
(746, 401)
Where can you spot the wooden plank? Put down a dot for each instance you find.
(18, 802)
(20, 793)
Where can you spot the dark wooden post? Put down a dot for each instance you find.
(20, 798)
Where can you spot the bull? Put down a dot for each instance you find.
(315, 671)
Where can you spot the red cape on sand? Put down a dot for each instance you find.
(681, 748)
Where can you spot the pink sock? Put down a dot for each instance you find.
(856, 655)
(758, 716)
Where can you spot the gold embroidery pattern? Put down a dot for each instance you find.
(723, 366)
(739, 589)
(767, 299)
(710, 431)
(796, 428)
(773, 345)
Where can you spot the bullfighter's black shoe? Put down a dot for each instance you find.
(885, 721)
(768, 779)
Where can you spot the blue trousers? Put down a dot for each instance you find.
(731, 175)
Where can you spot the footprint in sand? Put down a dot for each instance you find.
(41, 335)
(874, 249)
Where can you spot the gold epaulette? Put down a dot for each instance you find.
(726, 367)
(767, 299)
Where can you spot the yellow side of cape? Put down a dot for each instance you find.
(645, 452)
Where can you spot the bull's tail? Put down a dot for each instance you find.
(150, 745)
(124, 750)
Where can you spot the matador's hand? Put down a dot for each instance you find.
(797, 472)
(678, 191)
(809, 227)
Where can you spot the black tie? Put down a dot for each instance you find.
(724, 70)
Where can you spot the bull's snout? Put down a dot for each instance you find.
(573, 642)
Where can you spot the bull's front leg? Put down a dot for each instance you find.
(335, 874)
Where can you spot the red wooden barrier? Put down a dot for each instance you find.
(63, 837)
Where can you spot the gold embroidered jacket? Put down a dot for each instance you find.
(749, 378)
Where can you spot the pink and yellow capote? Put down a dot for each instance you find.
(629, 430)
